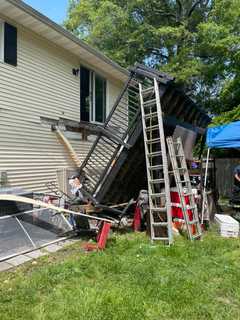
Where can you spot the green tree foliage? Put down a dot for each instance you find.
(218, 47)
(227, 117)
(197, 41)
(160, 33)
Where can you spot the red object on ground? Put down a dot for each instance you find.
(137, 219)
(176, 211)
(101, 238)
(103, 235)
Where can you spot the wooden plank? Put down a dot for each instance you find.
(9, 197)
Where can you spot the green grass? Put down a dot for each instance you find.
(131, 279)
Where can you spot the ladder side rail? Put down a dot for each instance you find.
(177, 177)
(164, 161)
(147, 161)
(192, 202)
(186, 174)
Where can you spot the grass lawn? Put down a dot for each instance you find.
(131, 279)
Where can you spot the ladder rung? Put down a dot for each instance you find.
(161, 209)
(191, 207)
(160, 238)
(155, 127)
(156, 140)
(159, 166)
(149, 103)
(196, 236)
(154, 154)
(181, 169)
(156, 224)
(157, 181)
(187, 206)
(151, 115)
(148, 90)
(193, 222)
(178, 169)
(156, 195)
(183, 181)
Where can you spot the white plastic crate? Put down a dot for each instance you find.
(228, 227)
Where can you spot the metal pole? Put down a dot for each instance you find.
(26, 233)
(205, 185)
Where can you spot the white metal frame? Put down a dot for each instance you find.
(92, 100)
(34, 246)
(1, 40)
(204, 198)
(92, 86)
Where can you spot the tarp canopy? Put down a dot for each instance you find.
(225, 136)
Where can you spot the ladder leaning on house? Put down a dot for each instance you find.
(156, 163)
(184, 188)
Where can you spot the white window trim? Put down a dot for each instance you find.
(92, 79)
(2, 40)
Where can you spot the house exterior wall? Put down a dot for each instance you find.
(42, 85)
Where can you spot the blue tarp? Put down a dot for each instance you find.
(225, 136)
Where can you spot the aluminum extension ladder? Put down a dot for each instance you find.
(184, 188)
(156, 163)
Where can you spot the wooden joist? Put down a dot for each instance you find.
(69, 147)
(9, 197)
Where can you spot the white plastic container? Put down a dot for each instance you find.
(228, 227)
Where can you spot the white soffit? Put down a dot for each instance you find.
(23, 14)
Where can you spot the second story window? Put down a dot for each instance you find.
(93, 96)
(1, 41)
(8, 43)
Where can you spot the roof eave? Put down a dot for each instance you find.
(123, 73)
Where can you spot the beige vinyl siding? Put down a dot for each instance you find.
(113, 91)
(31, 154)
(42, 85)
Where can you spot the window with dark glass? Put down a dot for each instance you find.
(93, 96)
(8, 43)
